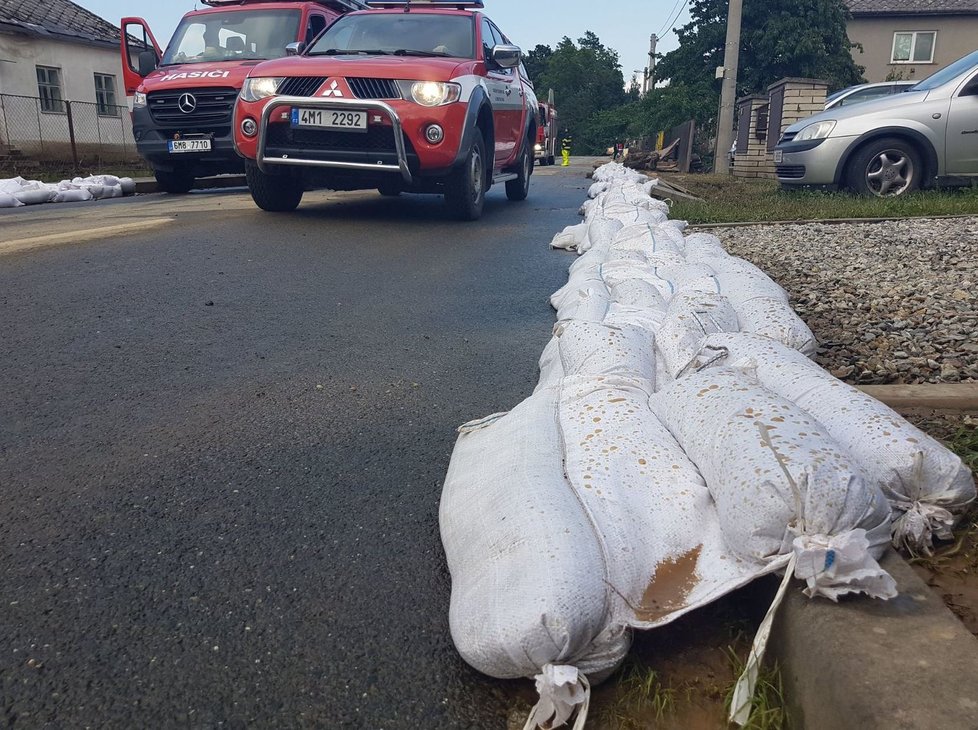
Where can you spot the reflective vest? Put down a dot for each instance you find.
(565, 143)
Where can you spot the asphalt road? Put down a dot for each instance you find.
(222, 445)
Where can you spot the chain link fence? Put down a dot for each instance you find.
(79, 133)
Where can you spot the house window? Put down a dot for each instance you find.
(49, 89)
(105, 95)
(914, 46)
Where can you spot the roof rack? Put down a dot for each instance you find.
(408, 4)
(346, 5)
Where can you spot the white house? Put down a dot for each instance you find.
(53, 52)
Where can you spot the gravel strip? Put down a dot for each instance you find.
(892, 302)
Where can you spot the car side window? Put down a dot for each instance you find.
(487, 41)
(500, 40)
(317, 23)
(970, 88)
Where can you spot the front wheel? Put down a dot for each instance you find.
(274, 193)
(519, 188)
(177, 182)
(465, 188)
(885, 168)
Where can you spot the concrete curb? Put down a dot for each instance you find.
(829, 221)
(146, 185)
(902, 664)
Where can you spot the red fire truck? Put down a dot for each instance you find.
(546, 150)
(426, 96)
(182, 100)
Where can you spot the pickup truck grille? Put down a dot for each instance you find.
(301, 85)
(376, 139)
(210, 107)
(374, 88)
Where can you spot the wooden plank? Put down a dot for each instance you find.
(940, 397)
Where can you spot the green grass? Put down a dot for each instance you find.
(768, 711)
(639, 696)
(50, 172)
(965, 444)
(732, 200)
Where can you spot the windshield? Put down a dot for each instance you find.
(232, 36)
(399, 33)
(947, 74)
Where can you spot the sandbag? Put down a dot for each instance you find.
(9, 201)
(34, 195)
(690, 318)
(703, 248)
(569, 238)
(637, 293)
(588, 305)
(594, 349)
(775, 319)
(596, 189)
(644, 237)
(600, 233)
(928, 486)
(551, 368)
(781, 483)
(72, 196)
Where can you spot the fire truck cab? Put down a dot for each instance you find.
(182, 99)
(546, 148)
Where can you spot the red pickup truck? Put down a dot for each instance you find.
(182, 99)
(420, 96)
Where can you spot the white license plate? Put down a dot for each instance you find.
(330, 119)
(189, 145)
(778, 156)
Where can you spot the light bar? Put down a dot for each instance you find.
(408, 4)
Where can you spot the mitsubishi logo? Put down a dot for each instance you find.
(187, 103)
(333, 90)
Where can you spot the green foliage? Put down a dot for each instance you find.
(536, 62)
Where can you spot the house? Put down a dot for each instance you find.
(911, 39)
(60, 81)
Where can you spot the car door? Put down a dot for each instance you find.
(499, 83)
(962, 129)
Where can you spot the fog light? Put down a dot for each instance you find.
(434, 133)
(249, 128)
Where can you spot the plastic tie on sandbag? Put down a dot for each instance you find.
(562, 689)
(919, 524)
(836, 565)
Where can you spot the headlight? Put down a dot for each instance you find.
(818, 130)
(538, 148)
(260, 88)
(138, 100)
(435, 93)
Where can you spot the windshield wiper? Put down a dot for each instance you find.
(412, 52)
(349, 52)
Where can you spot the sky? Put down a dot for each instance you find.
(624, 25)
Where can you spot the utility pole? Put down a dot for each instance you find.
(728, 92)
(648, 82)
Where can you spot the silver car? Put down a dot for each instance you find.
(920, 138)
(865, 92)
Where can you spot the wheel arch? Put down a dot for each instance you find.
(478, 120)
(922, 144)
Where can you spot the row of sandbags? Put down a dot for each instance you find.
(679, 445)
(15, 192)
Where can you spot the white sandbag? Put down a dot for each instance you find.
(703, 247)
(12, 185)
(637, 293)
(593, 349)
(775, 319)
(529, 576)
(779, 480)
(617, 254)
(698, 284)
(9, 201)
(644, 237)
(741, 281)
(629, 214)
(570, 238)
(596, 189)
(72, 196)
(551, 368)
(928, 486)
(128, 185)
(600, 233)
(587, 305)
(616, 272)
(690, 319)
(34, 195)
(111, 191)
(684, 274)
(582, 278)
(645, 318)
(672, 234)
(587, 208)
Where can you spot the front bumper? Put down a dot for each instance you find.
(152, 144)
(808, 164)
(394, 144)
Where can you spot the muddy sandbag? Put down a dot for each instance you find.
(637, 293)
(776, 319)
(703, 248)
(781, 483)
(644, 237)
(690, 319)
(589, 304)
(928, 486)
(594, 349)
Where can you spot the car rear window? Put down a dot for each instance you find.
(420, 33)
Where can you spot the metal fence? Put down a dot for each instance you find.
(81, 133)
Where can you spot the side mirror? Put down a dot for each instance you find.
(147, 63)
(295, 49)
(506, 56)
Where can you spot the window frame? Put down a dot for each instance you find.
(913, 46)
(57, 100)
(103, 108)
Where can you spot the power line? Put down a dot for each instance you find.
(674, 19)
(666, 24)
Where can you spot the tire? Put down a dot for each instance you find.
(885, 168)
(274, 193)
(551, 160)
(465, 188)
(178, 182)
(519, 188)
(389, 190)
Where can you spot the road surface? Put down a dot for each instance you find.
(223, 435)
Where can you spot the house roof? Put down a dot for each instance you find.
(912, 7)
(57, 19)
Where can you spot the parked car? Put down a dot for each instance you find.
(428, 98)
(866, 92)
(923, 137)
(182, 99)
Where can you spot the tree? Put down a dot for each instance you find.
(536, 62)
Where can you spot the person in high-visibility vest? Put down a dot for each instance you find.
(565, 147)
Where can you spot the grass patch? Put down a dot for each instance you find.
(965, 444)
(732, 200)
(768, 711)
(52, 173)
(640, 697)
